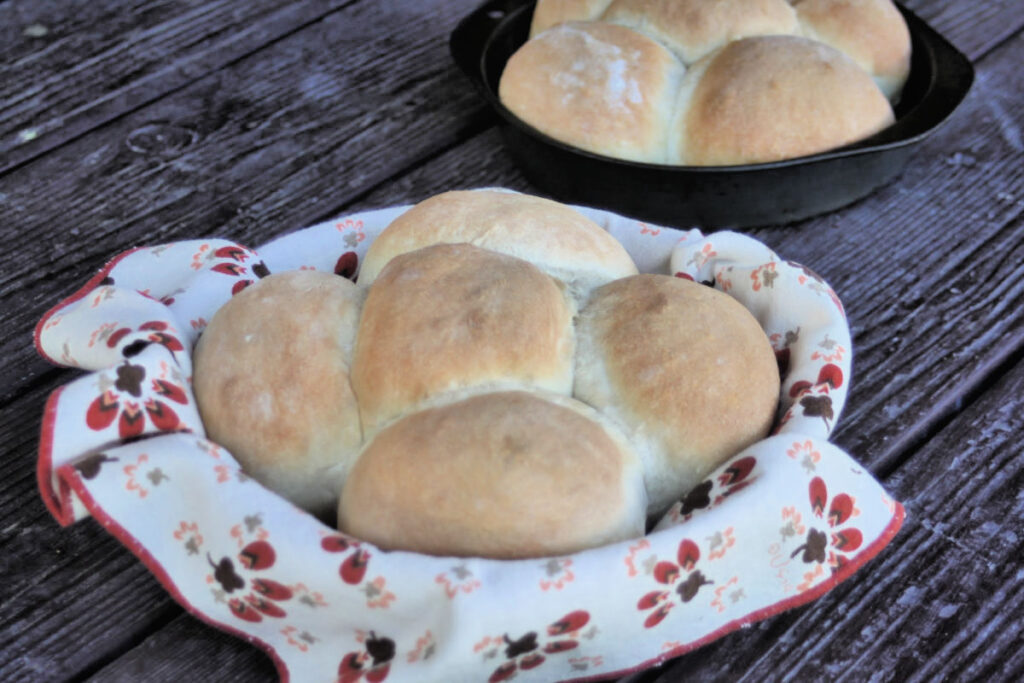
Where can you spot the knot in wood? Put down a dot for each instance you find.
(161, 138)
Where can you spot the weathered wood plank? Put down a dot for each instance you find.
(974, 28)
(166, 183)
(257, 165)
(188, 650)
(945, 600)
(481, 162)
(66, 68)
(268, 145)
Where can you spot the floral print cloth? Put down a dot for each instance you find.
(778, 525)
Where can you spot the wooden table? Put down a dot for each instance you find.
(127, 122)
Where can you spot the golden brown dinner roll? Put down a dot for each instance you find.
(503, 475)
(871, 32)
(685, 369)
(548, 13)
(774, 97)
(600, 87)
(454, 315)
(693, 28)
(271, 379)
(554, 237)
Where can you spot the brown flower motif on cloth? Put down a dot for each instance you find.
(661, 601)
(232, 260)
(525, 652)
(129, 399)
(264, 593)
(736, 476)
(825, 547)
(353, 568)
(372, 663)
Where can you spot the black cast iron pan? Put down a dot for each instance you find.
(713, 196)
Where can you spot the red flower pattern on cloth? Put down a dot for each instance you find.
(558, 573)
(156, 331)
(830, 374)
(347, 265)
(425, 648)
(661, 601)
(352, 234)
(320, 609)
(831, 548)
(130, 399)
(372, 663)
(764, 276)
(265, 593)
(231, 261)
(458, 579)
(711, 492)
(815, 282)
(525, 652)
(781, 343)
(353, 567)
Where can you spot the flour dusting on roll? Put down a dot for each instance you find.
(271, 378)
(686, 370)
(600, 87)
(693, 28)
(702, 83)
(503, 475)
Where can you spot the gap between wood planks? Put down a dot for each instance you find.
(946, 409)
(938, 416)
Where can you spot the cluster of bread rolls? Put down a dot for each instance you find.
(501, 382)
(702, 83)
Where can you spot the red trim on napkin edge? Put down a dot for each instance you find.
(797, 600)
(80, 294)
(67, 473)
(57, 502)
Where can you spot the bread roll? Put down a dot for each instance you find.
(693, 28)
(548, 13)
(503, 475)
(454, 315)
(554, 237)
(871, 32)
(600, 87)
(774, 97)
(271, 379)
(685, 370)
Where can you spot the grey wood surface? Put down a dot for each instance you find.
(154, 121)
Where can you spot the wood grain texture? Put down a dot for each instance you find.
(328, 121)
(266, 146)
(944, 601)
(66, 68)
(188, 650)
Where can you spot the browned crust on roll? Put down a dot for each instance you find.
(556, 238)
(272, 384)
(871, 32)
(548, 13)
(600, 87)
(693, 28)
(453, 315)
(775, 97)
(500, 475)
(685, 369)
